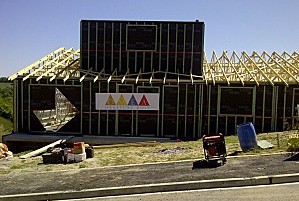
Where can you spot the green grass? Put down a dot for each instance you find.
(192, 150)
(5, 127)
(7, 124)
(5, 84)
(83, 165)
(293, 145)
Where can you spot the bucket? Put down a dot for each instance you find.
(247, 136)
(79, 147)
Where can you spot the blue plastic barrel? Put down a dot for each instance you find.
(247, 136)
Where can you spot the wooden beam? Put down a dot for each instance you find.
(110, 77)
(124, 77)
(42, 150)
(64, 69)
(87, 72)
(282, 67)
(151, 78)
(252, 62)
(28, 68)
(246, 68)
(221, 68)
(232, 65)
(137, 78)
(255, 53)
(59, 64)
(99, 75)
(286, 61)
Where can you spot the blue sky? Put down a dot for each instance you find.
(30, 29)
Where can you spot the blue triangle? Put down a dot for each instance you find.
(132, 101)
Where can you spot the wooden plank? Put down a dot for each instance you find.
(41, 150)
(136, 144)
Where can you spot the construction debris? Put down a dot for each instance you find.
(42, 150)
(77, 153)
(4, 152)
(173, 150)
(264, 144)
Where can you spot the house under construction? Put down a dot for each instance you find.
(197, 95)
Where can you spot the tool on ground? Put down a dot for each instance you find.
(214, 148)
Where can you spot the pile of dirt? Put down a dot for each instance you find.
(175, 150)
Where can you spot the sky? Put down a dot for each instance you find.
(31, 29)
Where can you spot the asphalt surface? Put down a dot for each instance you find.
(80, 179)
(278, 192)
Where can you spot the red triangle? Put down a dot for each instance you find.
(143, 101)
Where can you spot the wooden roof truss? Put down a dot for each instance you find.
(259, 68)
(61, 63)
(245, 68)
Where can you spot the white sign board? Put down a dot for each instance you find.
(127, 101)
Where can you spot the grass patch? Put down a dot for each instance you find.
(5, 84)
(5, 127)
(24, 164)
(192, 150)
(83, 165)
(293, 145)
(6, 123)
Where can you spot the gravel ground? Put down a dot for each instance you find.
(249, 166)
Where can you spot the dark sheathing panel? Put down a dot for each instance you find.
(142, 45)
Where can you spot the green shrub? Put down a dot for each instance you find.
(6, 102)
(293, 145)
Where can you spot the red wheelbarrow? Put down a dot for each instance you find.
(214, 148)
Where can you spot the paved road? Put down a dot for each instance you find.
(80, 179)
(285, 192)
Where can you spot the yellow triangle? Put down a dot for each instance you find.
(121, 101)
(110, 101)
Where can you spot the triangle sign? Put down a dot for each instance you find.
(110, 101)
(143, 101)
(121, 101)
(133, 101)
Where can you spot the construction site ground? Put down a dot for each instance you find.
(19, 182)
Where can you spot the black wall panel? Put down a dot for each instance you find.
(146, 45)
